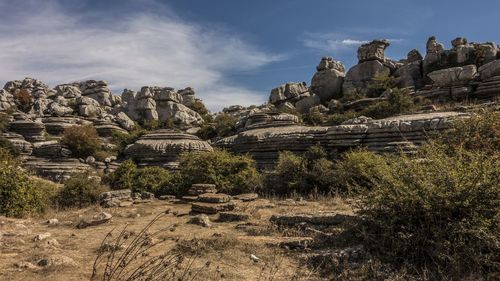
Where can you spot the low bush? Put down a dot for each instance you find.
(232, 174)
(224, 125)
(151, 179)
(310, 173)
(356, 171)
(440, 213)
(123, 177)
(122, 140)
(398, 102)
(19, 194)
(481, 132)
(83, 141)
(81, 190)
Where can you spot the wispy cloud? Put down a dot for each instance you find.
(41, 39)
(332, 42)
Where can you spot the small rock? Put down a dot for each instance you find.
(57, 260)
(233, 216)
(53, 242)
(247, 197)
(147, 195)
(25, 265)
(98, 219)
(254, 258)
(202, 220)
(52, 222)
(167, 197)
(90, 160)
(42, 236)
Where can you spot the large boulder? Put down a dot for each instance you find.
(287, 91)
(327, 81)
(361, 76)
(373, 50)
(179, 113)
(125, 121)
(304, 105)
(410, 74)
(490, 69)
(454, 75)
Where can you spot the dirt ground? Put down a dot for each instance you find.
(222, 251)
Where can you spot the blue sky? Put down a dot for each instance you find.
(230, 51)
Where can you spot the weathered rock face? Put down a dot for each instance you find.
(264, 144)
(327, 81)
(361, 76)
(163, 104)
(385, 135)
(288, 92)
(163, 147)
(375, 50)
(31, 131)
(264, 120)
(58, 170)
(454, 75)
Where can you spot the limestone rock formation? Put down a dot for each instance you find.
(374, 50)
(288, 92)
(385, 135)
(327, 81)
(163, 147)
(361, 75)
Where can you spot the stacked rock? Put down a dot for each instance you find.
(212, 203)
(202, 188)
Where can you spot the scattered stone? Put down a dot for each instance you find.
(233, 216)
(246, 197)
(98, 219)
(167, 197)
(42, 236)
(56, 260)
(211, 208)
(26, 265)
(189, 198)
(52, 222)
(202, 220)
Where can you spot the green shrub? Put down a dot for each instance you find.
(357, 169)
(310, 173)
(207, 132)
(83, 141)
(225, 125)
(442, 212)
(81, 190)
(151, 179)
(398, 102)
(19, 195)
(123, 177)
(338, 118)
(122, 140)
(314, 117)
(232, 174)
(151, 125)
(481, 132)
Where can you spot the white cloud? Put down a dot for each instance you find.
(331, 42)
(48, 42)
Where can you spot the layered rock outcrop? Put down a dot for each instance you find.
(385, 135)
(163, 147)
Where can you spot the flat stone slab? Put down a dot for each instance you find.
(189, 198)
(201, 188)
(247, 197)
(314, 219)
(211, 208)
(96, 220)
(214, 198)
(233, 216)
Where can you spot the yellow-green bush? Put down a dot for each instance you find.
(19, 194)
(123, 177)
(224, 125)
(151, 179)
(83, 141)
(81, 190)
(441, 212)
(357, 169)
(232, 174)
(310, 173)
